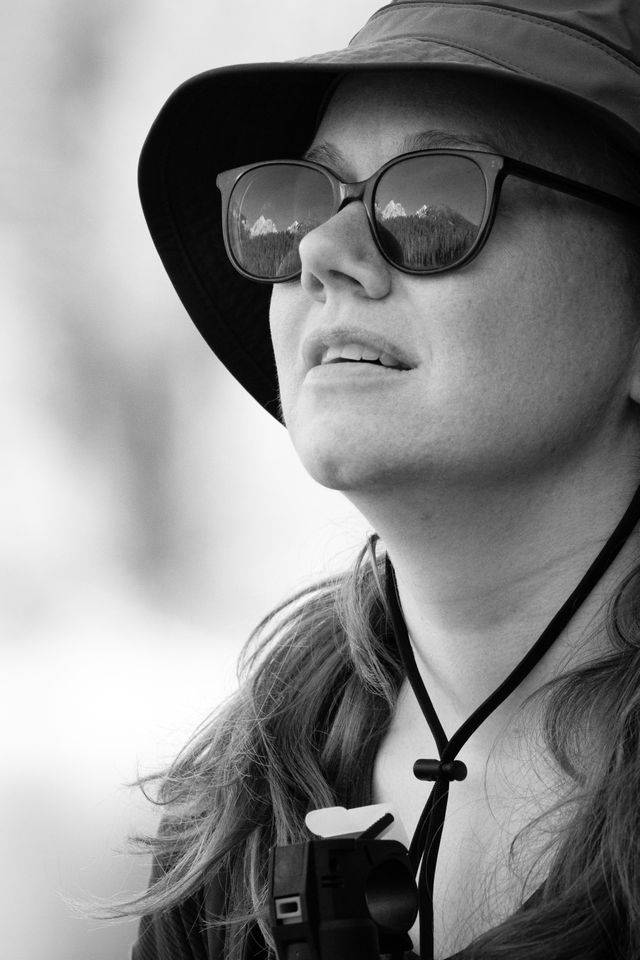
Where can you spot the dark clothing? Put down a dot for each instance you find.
(185, 931)
(183, 934)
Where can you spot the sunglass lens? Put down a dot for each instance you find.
(271, 208)
(429, 210)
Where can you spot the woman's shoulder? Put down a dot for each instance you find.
(186, 931)
(179, 933)
(191, 930)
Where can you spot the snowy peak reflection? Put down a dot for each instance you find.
(261, 226)
(265, 225)
(434, 212)
(393, 209)
(434, 236)
(266, 249)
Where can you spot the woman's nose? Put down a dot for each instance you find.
(341, 254)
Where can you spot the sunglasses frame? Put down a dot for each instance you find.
(494, 167)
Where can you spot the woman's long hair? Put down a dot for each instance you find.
(320, 680)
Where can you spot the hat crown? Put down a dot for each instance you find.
(590, 50)
(613, 23)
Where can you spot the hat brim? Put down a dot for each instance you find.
(236, 115)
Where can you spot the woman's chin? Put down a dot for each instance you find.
(334, 466)
(335, 471)
(342, 464)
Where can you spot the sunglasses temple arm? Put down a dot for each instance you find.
(571, 187)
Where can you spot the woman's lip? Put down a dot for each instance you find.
(316, 345)
(353, 372)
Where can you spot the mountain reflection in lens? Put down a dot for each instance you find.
(271, 210)
(428, 210)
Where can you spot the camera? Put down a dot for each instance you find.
(341, 898)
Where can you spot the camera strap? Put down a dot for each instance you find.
(424, 847)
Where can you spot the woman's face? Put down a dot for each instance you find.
(517, 361)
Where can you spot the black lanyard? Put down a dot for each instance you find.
(426, 839)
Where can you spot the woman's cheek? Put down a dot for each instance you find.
(285, 321)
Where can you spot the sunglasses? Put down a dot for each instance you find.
(428, 210)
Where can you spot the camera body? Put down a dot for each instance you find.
(341, 898)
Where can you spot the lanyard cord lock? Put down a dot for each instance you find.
(439, 770)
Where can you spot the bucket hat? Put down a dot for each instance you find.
(585, 55)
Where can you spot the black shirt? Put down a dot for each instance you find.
(183, 933)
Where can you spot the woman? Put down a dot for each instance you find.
(456, 349)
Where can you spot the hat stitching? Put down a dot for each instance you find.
(580, 35)
(447, 42)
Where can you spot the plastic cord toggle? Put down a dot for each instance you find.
(438, 769)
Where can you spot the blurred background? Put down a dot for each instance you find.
(151, 513)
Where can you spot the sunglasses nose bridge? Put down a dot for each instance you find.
(350, 192)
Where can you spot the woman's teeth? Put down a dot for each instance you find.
(356, 351)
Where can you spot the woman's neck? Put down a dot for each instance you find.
(481, 572)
